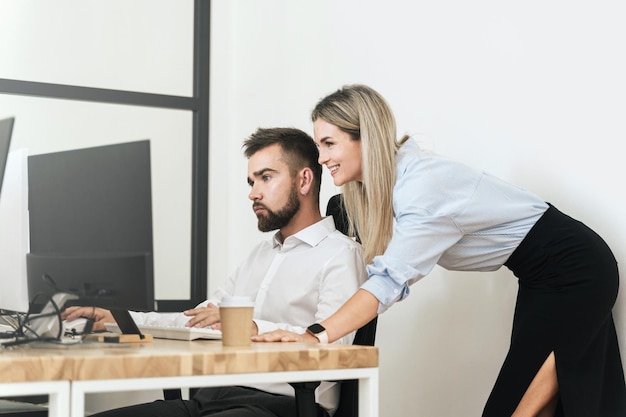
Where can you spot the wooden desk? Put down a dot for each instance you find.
(71, 372)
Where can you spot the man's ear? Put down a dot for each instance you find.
(306, 180)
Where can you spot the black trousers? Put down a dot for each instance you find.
(568, 282)
(217, 402)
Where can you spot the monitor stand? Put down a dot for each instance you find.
(128, 327)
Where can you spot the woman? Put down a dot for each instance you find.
(564, 358)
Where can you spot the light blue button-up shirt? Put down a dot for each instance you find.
(449, 214)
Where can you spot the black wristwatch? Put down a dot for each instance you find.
(319, 332)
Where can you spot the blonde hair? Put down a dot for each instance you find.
(364, 114)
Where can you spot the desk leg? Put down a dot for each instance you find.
(368, 395)
(57, 391)
(59, 402)
(77, 403)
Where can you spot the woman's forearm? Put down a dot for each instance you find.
(359, 310)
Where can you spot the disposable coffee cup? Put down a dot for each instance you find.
(236, 320)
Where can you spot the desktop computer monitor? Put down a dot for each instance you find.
(14, 233)
(6, 129)
(13, 223)
(91, 226)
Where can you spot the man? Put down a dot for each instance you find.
(302, 276)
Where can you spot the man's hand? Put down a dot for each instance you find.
(208, 316)
(285, 336)
(99, 316)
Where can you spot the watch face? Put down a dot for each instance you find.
(316, 328)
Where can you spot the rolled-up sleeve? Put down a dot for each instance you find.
(424, 229)
(413, 252)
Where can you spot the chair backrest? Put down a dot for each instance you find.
(336, 209)
(366, 335)
(349, 389)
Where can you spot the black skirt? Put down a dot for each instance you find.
(568, 282)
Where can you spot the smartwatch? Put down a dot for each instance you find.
(319, 332)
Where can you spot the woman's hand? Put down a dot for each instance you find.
(285, 336)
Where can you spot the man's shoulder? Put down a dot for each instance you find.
(340, 240)
(263, 246)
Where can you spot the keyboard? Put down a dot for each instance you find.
(172, 332)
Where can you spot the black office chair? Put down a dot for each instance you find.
(366, 336)
(336, 209)
(348, 389)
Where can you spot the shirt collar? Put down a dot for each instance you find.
(410, 147)
(311, 235)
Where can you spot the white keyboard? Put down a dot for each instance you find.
(172, 332)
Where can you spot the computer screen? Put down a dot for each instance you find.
(91, 226)
(14, 233)
(13, 223)
(6, 129)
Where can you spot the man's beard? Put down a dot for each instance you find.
(276, 220)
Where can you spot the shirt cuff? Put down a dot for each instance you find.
(264, 326)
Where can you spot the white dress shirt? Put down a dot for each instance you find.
(294, 283)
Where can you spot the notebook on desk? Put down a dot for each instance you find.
(172, 332)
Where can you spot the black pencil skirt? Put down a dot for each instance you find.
(568, 282)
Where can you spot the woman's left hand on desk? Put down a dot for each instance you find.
(284, 336)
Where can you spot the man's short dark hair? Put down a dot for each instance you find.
(299, 150)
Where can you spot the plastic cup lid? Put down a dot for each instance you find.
(237, 301)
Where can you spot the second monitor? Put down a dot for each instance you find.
(91, 226)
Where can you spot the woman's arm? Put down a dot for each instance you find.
(359, 310)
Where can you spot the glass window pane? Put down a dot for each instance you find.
(49, 125)
(138, 45)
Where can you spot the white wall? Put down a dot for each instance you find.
(529, 91)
